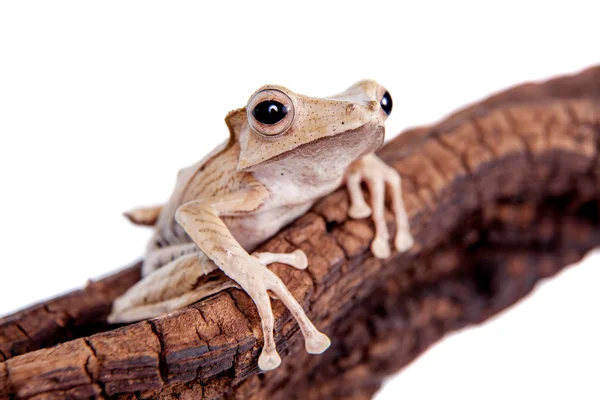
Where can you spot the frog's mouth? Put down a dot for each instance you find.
(340, 149)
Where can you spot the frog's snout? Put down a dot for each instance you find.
(370, 97)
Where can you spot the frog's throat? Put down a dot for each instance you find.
(339, 149)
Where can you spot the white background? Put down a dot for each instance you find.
(102, 102)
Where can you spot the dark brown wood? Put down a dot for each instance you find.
(500, 195)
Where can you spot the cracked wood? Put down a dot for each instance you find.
(500, 195)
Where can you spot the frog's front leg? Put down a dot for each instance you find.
(201, 220)
(376, 174)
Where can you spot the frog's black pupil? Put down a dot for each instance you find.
(386, 103)
(269, 112)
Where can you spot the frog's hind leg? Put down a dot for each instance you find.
(146, 216)
(181, 282)
(158, 257)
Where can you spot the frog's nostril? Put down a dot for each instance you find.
(373, 105)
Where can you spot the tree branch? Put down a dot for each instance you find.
(500, 195)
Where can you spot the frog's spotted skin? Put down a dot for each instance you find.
(285, 151)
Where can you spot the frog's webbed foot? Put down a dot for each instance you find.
(376, 174)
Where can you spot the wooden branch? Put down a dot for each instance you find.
(500, 195)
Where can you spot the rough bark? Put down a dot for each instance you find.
(500, 195)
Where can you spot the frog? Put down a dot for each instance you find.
(285, 152)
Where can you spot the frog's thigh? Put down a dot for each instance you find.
(167, 289)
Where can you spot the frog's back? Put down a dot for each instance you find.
(213, 175)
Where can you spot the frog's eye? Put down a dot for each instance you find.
(386, 103)
(270, 112)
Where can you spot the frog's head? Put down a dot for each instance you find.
(278, 124)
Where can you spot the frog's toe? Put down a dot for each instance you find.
(296, 259)
(404, 241)
(380, 248)
(318, 343)
(359, 211)
(268, 360)
(301, 261)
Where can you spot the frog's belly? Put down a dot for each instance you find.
(252, 230)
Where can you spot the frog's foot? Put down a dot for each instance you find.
(250, 273)
(376, 174)
(146, 216)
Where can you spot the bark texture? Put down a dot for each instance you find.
(500, 195)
